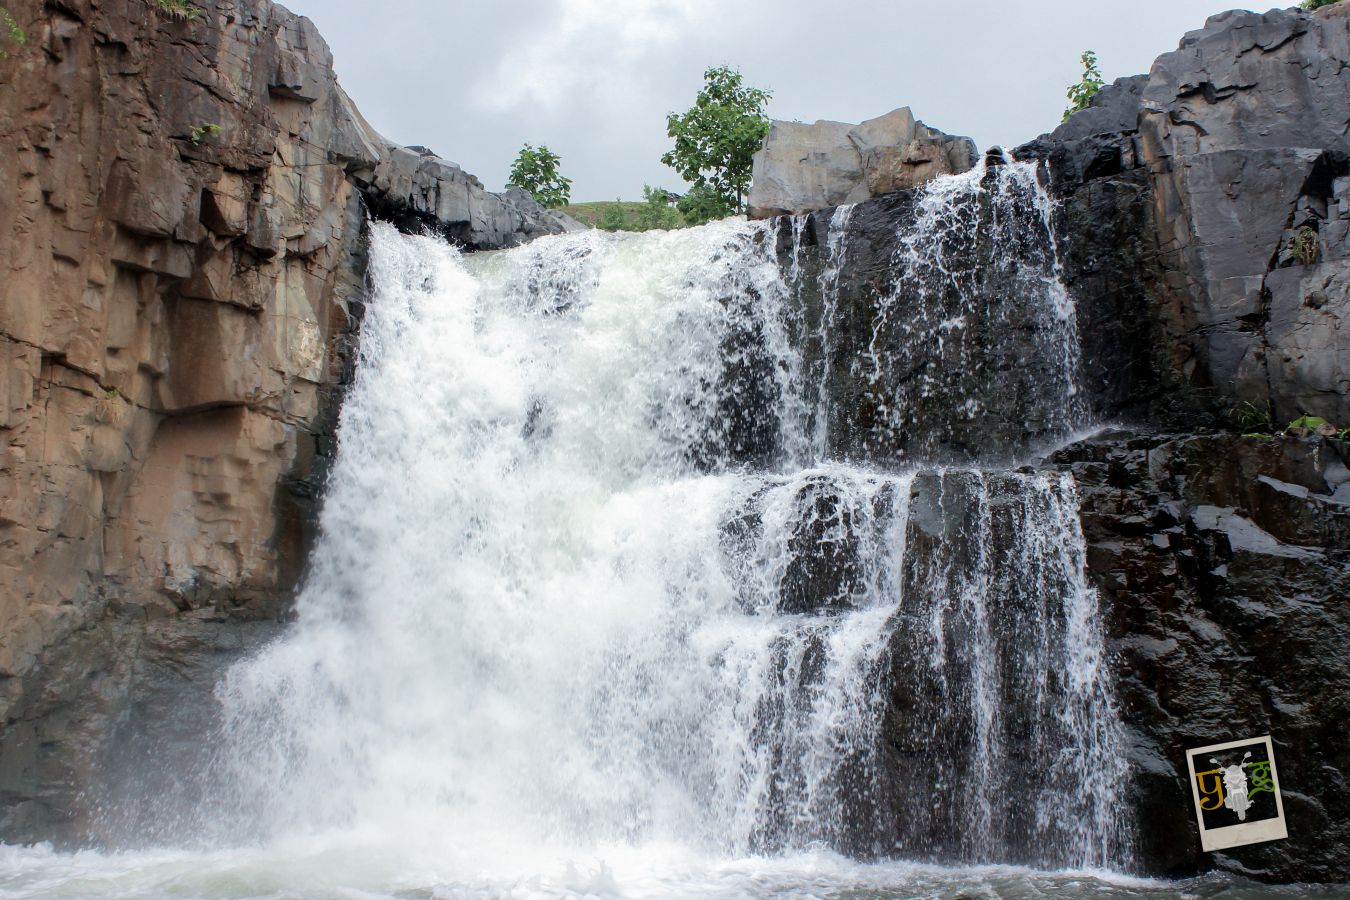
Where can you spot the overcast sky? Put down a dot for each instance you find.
(594, 79)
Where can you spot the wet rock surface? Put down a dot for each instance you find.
(1197, 213)
(1224, 562)
(918, 297)
(1201, 222)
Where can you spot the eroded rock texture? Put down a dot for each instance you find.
(804, 167)
(181, 210)
(1210, 201)
(1225, 564)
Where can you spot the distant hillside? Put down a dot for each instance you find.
(656, 211)
(590, 213)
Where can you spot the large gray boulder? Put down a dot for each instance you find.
(803, 167)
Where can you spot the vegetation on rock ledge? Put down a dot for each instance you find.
(199, 132)
(1305, 247)
(10, 29)
(536, 170)
(1081, 94)
(179, 9)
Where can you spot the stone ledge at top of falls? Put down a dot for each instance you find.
(802, 168)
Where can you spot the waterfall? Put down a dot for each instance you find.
(597, 570)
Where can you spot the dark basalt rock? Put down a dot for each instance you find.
(1183, 197)
(1225, 564)
(1223, 560)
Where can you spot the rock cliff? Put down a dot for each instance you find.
(1226, 167)
(181, 217)
(1224, 562)
(1205, 210)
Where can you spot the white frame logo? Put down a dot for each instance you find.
(1219, 782)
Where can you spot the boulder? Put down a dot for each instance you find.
(803, 167)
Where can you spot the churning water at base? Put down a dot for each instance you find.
(594, 612)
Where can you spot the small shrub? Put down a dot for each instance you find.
(1081, 94)
(1305, 248)
(613, 218)
(656, 211)
(178, 9)
(10, 29)
(202, 131)
(1253, 418)
(109, 408)
(1317, 4)
(703, 204)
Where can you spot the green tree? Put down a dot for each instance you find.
(536, 170)
(1081, 94)
(1317, 4)
(702, 204)
(716, 140)
(656, 212)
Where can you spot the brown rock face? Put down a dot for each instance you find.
(181, 211)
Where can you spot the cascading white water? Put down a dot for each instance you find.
(527, 619)
(593, 590)
(553, 606)
(973, 350)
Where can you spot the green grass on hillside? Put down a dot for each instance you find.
(590, 213)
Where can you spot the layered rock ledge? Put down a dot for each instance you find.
(181, 216)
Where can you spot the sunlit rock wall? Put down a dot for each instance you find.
(181, 217)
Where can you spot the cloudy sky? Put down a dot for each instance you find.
(594, 79)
